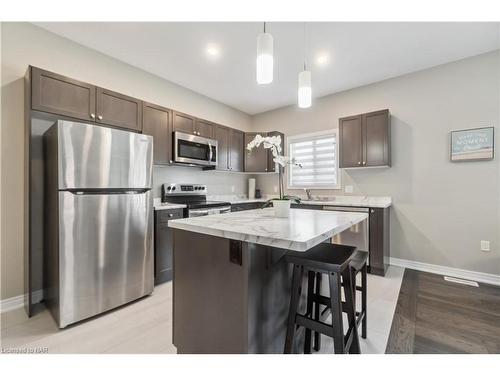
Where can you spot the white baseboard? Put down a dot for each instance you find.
(486, 278)
(17, 302)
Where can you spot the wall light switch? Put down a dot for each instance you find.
(485, 245)
(348, 189)
(275, 188)
(233, 188)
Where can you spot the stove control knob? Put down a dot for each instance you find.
(170, 187)
(173, 187)
(203, 187)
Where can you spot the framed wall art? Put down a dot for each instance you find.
(472, 144)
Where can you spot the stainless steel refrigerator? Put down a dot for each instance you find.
(98, 219)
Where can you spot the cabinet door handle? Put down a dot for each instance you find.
(92, 115)
(359, 163)
(170, 215)
(372, 211)
(364, 163)
(99, 117)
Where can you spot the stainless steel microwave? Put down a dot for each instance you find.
(193, 149)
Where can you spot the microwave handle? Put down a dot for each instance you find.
(211, 152)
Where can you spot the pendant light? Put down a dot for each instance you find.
(305, 90)
(264, 58)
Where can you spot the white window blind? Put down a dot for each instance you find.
(317, 153)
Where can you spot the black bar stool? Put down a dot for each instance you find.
(333, 260)
(358, 264)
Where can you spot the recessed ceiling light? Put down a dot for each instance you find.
(212, 51)
(322, 58)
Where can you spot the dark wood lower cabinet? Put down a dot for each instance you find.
(379, 222)
(246, 206)
(306, 206)
(164, 244)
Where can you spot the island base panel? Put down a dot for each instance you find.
(224, 307)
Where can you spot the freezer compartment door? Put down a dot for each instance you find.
(95, 157)
(105, 252)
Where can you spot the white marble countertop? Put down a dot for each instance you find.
(333, 200)
(158, 205)
(235, 198)
(247, 200)
(352, 201)
(301, 231)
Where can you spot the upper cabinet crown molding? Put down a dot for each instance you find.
(365, 140)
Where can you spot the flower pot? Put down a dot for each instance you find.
(282, 208)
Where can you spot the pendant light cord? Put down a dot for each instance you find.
(304, 46)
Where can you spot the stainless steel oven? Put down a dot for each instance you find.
(194, 150)
(195, 212)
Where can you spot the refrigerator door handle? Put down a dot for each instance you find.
(106, 192)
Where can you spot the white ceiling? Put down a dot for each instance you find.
(360, 53)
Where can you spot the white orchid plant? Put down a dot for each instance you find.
(274, 144)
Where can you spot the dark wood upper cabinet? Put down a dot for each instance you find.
(118, 110)
(230, 148)
(222, 135)
(156, 121)
(256, 160)
(271, 165)
(204, 128)
(377, 138)
(364, 140)
(236, 150)
(59, 95)
(351, 141)
(184, 123)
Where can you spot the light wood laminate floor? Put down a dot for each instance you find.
(145, 326)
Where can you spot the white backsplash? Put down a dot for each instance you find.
(218, 182)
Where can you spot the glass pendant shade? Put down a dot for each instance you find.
(264, 58)
(305, 91)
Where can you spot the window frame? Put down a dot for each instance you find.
(331, 132)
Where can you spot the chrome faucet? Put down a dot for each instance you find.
(308, 193)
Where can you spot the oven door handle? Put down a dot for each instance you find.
(196, 213)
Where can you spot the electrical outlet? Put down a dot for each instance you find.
(275, 188)
(348, 189)
(485, 245)
(233, 188)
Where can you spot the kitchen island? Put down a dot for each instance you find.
(231, 284)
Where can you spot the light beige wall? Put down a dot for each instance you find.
(441, 209)
(24, 44)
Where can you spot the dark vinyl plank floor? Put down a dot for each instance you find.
(436, 316)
